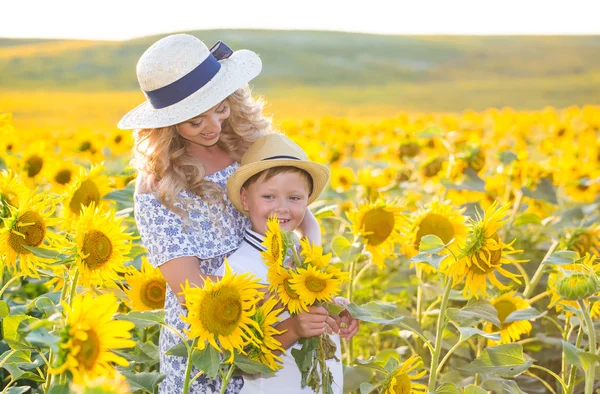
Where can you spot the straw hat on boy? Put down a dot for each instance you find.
(274, 150)
(181, 78)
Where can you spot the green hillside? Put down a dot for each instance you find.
(522, 71)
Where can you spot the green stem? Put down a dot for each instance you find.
(419, 309)
(7, 357)
(539, 272)
(418, 334)
(573, 372)
(74, 285)
(225, 381)
(447, 356)
(549, 372)
(350, 353)
(48, 375)
(524, 274)
(590, 372)
(188, 368)
(550, 389)
(322, 365)
(441, 324)
(477, 354)
(566, 333)
(516, 206)
(11, 280)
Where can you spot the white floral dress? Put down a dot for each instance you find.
(212, 235)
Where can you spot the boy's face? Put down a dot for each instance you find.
(285, 194)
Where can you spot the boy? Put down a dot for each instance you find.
(276, 177)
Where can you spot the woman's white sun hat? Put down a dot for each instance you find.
(181, 78)
(274, 150)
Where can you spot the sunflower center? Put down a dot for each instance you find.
(85, 146)
(289, 290)
(98, 248)
(153, 293)
(29, 230)
(435, 224)
(402, 385)
(379, 224)
(86, 194)
(275, 249)
(34, 165)
(504, 308)
(315, 284)
(221, 311)
(63, 177)
(344, 181)
(118, 139)
(89, 350)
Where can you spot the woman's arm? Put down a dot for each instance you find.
(180, 269)
(310, 228)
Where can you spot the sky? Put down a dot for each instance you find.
(126, 19)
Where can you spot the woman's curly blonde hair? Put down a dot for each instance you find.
(160, 154)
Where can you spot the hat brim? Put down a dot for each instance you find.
(236, 71)
(319, 174)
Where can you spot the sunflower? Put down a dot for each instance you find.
(313, 254)
(101, 245)
(483, 255)
(262, 351)
(89, 336)
(86, 188)
(27, 225)
(146, 288)
(60, 173)
(102, 385)
(32, 162)
(439, 219)
(379, 223)
(584, 240)
(585, 266)
(312, 285)
(400, 382)
(223, 311)
(279, 281)
(10, 190)
(342, 178)
(273, 241)
(506, 304)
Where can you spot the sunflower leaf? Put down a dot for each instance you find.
(144, 319)
(326, 212)
(123, 197)
(524, 314)
(480, 310)
(468, 332)
(345, 250)
(472, 181)
(4, 309)
(511, 387)
(179, 350)
(527, 218)
(41, 338)
(249, 366)
(45, 253)
(366, 388)
(375, 312)
(562, 257)
(472, 389)
(544, 191)
(433, 260)
(207, 360)
(354, 376)
(447, 388)
(146, 381)
(431, 244)
(335, 309)
(572, 354)
(12, 327)
(588, 358)
(504, 360)
(429, 132)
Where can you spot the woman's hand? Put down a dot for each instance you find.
(312, 323)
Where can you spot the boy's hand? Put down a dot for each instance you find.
(314, 322)
(349, 325)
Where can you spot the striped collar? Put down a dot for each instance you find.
(254, 239)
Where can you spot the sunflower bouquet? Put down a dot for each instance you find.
(228, 324)
(300, 276)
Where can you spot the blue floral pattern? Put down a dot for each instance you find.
(211, 234)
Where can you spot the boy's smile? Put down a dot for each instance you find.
(285, 194)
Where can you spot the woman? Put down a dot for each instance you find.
(198, 120)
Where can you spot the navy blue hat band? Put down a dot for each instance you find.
(281, 158)
(192, 81)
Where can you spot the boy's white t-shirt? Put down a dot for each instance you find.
(286, 380)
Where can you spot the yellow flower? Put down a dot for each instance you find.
(342, 178)
(588, 264)
(59, 173)
(439, 219)
(86, 188)
(379, 223)
(402, 383)
(273, 241)
(313, 254)
(262, 351)
(279, 281)
(32, 162)
(312, 285)
(27, 225)
(101, 244)
(484, 255)
(584, 240)
(10, 190)
(223, 311)
(506, 304)
(89, 336)
(146, 288)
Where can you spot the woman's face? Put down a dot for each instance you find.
(205, 128)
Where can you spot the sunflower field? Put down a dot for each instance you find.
(469, 242)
